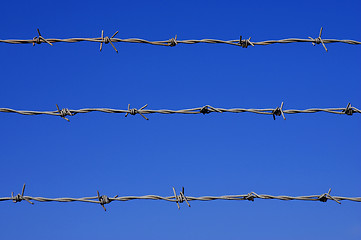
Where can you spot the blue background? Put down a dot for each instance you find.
(211, 154)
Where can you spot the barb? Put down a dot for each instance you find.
(244, 43)
(278, 112)
(324, 197)
(180, 198)
(318, 40)
(173, 41)
(251, 196)
(102, 200)
(107, 40)
(39, 39)
(20, 197)
(349, 110)
(64, 112)
(134, 111)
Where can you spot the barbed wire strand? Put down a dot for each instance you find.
(278, 111)
(180, 198)
(172, 42)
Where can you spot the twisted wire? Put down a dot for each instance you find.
(244, 43)
(103, 199)
(278, 111)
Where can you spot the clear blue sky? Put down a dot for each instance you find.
(211, 154)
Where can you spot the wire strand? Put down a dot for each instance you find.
(278, 111)
(103, 199)
(244, 43)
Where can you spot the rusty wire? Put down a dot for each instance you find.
(244, 43)
(278, 111)
(180, 198)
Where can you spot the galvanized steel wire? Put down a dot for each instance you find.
(278, 111)
(178, 198)
(244, 43)
(181, 197)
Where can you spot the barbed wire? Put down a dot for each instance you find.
(180, 198)
(278, 111)
(244, 43)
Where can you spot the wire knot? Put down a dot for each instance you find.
(348, 110)
(180, 198)
(133, 111)
(64, 112)
(39, 39)
(250, 197)
(278, 112)
(244, 43)
(324, 197)
(19, 197)
(36, 40)
(204, 110)
(318, 40)
(107, 40)
(173, 41)
(104, 199)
